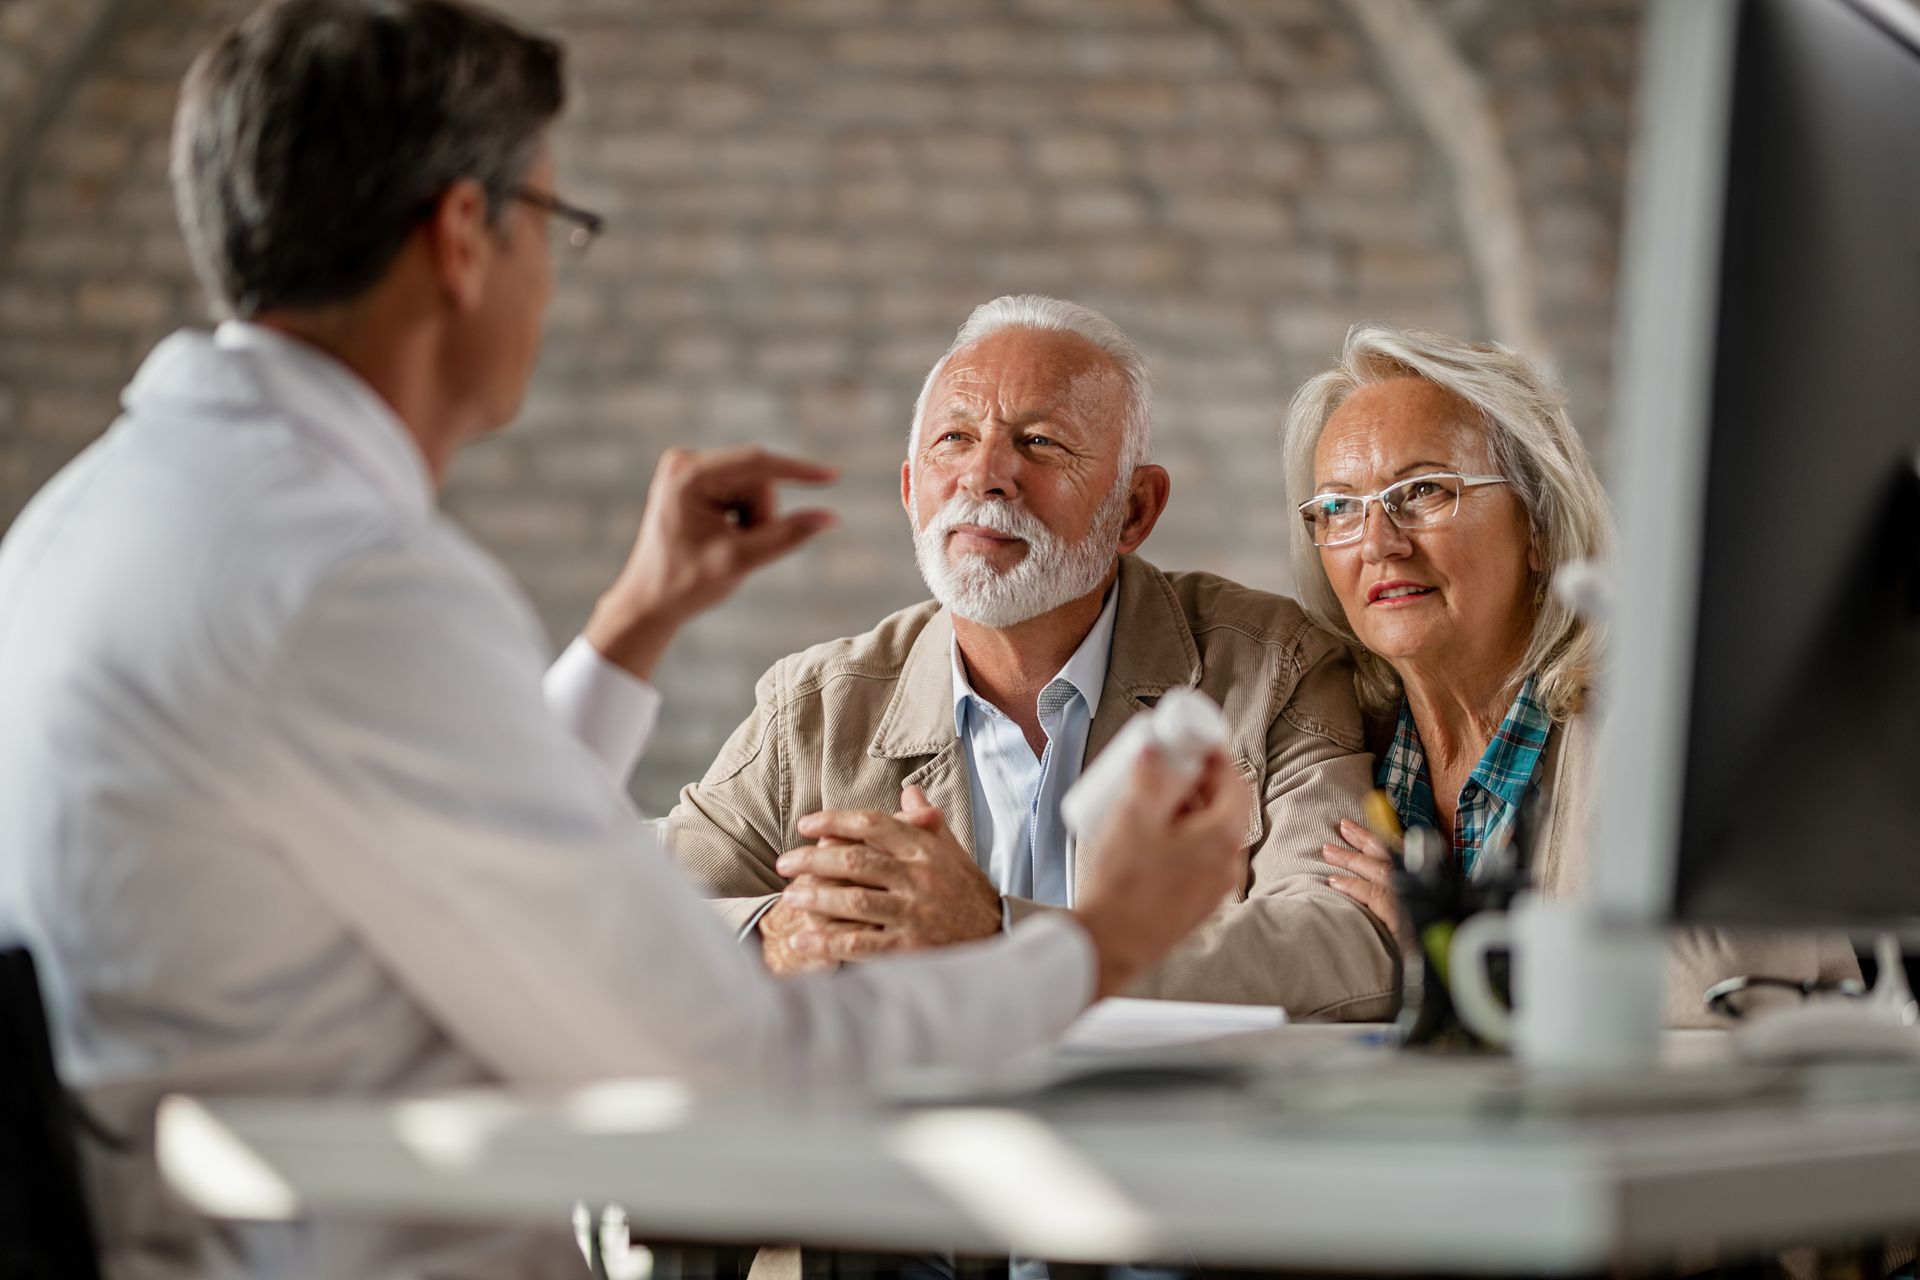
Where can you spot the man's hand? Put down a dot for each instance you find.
(878, 883)
(781, 926)
(1164, 860)
(711, 519)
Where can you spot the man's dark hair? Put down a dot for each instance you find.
(314, 136)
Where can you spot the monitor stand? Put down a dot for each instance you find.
(1884, 1024)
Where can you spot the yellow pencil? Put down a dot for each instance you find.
(1381, 818)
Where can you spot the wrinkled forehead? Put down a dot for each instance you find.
(1019, 372)
(1386, 431)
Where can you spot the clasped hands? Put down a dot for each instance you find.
(1166, 857)
(874, 883)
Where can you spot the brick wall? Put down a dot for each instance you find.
(1559, 74)
(41, 44)
(806, 198)
(44, 45)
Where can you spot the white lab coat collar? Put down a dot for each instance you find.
(247, 370)
(336, 406)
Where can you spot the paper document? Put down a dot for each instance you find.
(1121, 1023)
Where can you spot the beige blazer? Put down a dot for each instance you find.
(848, 723)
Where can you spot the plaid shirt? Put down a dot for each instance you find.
(1490, 800)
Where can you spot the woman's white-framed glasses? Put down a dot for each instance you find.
(1335, 519)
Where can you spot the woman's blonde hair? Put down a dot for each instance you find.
(1534, 445)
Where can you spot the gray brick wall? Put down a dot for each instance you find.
(807, 196)
(40, 41)
(1560, 74)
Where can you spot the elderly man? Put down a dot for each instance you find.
(1028, 485)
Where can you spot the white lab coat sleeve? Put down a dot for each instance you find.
(431, 799)
(610, 710)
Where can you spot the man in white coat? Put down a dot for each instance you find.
(282, 805)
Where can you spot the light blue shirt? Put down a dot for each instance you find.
(1019, 839)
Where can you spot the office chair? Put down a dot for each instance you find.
(45, 1231)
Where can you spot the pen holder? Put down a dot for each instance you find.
(1430, 905)
(1437, 903)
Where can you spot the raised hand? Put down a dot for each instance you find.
(711, 519)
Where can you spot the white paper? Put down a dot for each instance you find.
(1121, 1023)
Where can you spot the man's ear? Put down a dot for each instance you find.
(1147, 495)
(906, 487)
(461, 243)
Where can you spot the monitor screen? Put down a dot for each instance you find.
(1802, 725)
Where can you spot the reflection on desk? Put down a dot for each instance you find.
(1309, 1147)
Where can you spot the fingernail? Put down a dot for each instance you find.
(808, 823)
(785, 864)
(797, 897)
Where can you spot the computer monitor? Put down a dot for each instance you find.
(1762, 752)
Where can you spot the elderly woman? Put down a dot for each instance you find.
(1447, 486)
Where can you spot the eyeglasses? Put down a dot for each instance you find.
(586, 226)
(1335, 519)
(1734, 998)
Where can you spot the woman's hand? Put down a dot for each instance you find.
(1368, 865)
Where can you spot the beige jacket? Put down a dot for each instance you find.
(1698, 958)
(848, 723)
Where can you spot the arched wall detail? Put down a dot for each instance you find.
(1449, 98)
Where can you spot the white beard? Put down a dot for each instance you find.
(1052, 573)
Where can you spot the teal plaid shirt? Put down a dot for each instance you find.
(1490, 800)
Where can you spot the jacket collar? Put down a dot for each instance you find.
(919, 717)
(1564, 768)
(1153, 651)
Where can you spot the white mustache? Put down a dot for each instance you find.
(1052, 572)
(1001, 517)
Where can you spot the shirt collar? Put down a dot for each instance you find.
(1505, 769)
(1507, 766)
(1086, 670)
(335, 405)
(1403, 774)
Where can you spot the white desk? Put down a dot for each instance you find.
(1279, 1174)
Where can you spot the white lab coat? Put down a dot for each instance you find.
(283, 810)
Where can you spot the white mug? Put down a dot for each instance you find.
(1587, 993)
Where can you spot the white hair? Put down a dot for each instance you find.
(1032, 311)
(1523, 414)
